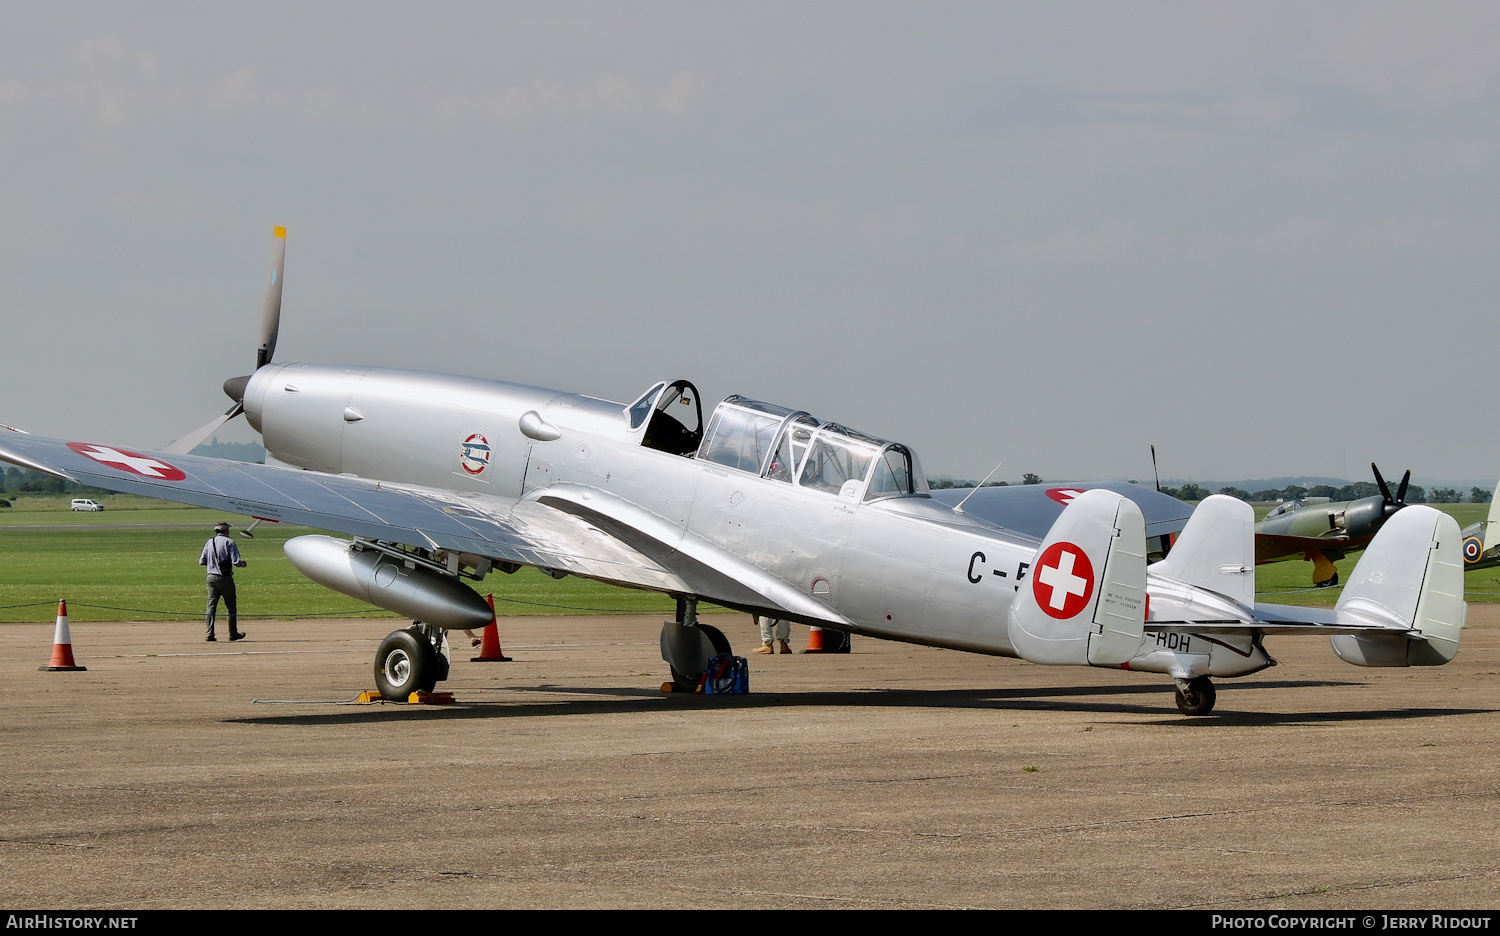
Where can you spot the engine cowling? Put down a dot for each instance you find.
(1363, 517)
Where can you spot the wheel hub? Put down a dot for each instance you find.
(398, 667)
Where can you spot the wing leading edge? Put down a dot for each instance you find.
(610, 545)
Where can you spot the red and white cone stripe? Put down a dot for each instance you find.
(62, 644)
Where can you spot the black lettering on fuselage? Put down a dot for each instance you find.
(1180, 643)
(977, 557)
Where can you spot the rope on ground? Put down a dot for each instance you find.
(543, 604)
(1301, 591)
(315, 614)
(262, 617)
(353, 701)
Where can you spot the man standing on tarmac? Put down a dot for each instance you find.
(221, 556)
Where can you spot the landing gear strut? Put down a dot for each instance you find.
(1195, 696)
(687, 645)
(411, 660)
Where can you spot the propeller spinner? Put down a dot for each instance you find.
(270, 325)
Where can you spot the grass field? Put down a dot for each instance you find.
(48, 509)
(152, 574)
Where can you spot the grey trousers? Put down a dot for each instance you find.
(221, 586)
(772, 629)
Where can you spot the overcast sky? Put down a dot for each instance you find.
(1261, 236)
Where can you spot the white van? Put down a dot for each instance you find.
(83, 503)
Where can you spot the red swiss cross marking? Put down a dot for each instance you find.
(126, 460)
(1064, 496)
(1063, 581)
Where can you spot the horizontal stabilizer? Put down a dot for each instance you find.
(1084, 601)
(1410, 580)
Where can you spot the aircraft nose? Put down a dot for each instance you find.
(234, 388)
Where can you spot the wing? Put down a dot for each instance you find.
(1031, 509)
(568, 528)
(1271, 546)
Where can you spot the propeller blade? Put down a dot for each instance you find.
(1401, 488)
(195, 438)
(270, 309)
(1385, 491)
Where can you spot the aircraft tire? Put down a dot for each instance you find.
(1330, 583)
(684, 682)
(404, 664)
(1199, 699)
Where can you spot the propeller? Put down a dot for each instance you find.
(1392, 504)
(270, 325)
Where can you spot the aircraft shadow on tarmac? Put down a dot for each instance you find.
(1044, 698)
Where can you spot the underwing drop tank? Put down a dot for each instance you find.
(388, 582)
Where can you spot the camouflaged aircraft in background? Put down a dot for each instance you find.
(1324, 533)
(437, 479)
(1482, 540)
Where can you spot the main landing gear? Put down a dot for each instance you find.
(411, 660)
(687, 646)
(1195, 696)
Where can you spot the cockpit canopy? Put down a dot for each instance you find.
(671, 415)
(793, 447)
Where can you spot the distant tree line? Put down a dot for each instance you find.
(943, 483)
(1415, 493)
(15, 480)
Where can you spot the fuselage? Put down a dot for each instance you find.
(880, 555)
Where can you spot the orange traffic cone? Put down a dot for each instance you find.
(62, 645)
(489, 646)
(814, 640)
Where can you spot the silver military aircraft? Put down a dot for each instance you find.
(438, 479)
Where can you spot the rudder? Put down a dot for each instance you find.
(1085, 599)
(1411, 579)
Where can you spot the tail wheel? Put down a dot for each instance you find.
(1198, 699)
(684, 682)
(405, 663)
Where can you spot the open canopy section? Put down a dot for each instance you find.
(795, 448)
(669, 417)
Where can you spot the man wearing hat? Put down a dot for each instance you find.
(221, 556)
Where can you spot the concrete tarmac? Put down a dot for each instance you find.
(176, 773)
